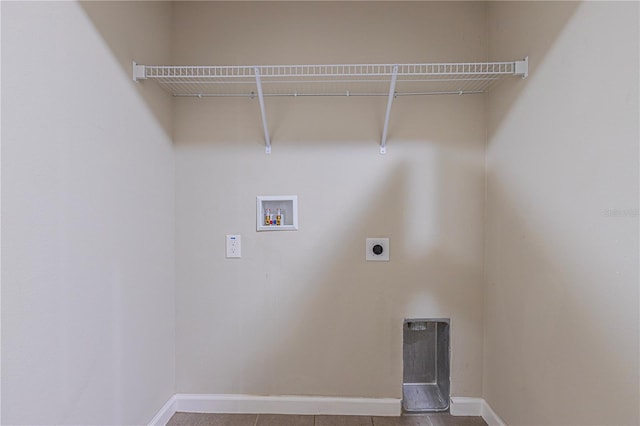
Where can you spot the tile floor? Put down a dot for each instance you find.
(435, 419)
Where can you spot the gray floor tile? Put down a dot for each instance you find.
(449, 420)
(402, 421)
(183, 419)
(343, 421)
(284, 420)
(439, 419)
(199, 419)
(231, 419)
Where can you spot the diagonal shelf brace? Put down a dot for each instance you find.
(392, 91)
(267, 139)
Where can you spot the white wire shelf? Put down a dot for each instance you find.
(389, 80)
(330, 80)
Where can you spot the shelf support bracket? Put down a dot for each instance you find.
(392, 94)
(522, 68)
(267, 139)
(139, 72)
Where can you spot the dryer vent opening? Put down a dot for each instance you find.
(426, 372)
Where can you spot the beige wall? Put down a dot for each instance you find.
(87, 216)
(561, 337)
(88, 198)
(302, 312)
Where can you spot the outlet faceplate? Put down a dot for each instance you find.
(377, 249)
(234, 247)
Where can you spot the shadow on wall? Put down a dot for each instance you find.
(292, 121)
(129, 39)
(312, 288)
(502, 28)
(317, 319)
(554, 325)
(295, 123)
(150, 41)
(340, 333)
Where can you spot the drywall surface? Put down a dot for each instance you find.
(561, 338)
(302, 312)
(87, 219)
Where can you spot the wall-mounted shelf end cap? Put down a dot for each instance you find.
(139, 72)
(522, 68)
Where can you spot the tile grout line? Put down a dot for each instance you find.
(256, 422)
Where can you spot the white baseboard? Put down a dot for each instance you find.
(213, 403)
(199, 403)
(462, 406)
(224, 403)
(490, 416)
(165, 413)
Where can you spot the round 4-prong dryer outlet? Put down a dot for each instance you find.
(377, 249)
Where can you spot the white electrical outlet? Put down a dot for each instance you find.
(234, 246)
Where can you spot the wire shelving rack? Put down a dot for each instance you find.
(386, 80)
